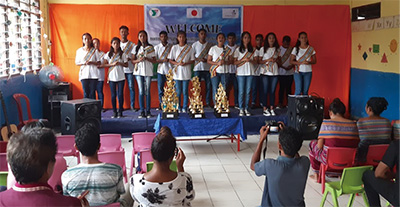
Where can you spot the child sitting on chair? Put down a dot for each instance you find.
(286, 176)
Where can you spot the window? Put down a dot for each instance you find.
(20, 47)
(370, 11)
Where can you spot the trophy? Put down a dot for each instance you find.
(196, 105)
(221, 108)
(170, 99)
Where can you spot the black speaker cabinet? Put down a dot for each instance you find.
(75, 113)
(54, 97)
(306, 114)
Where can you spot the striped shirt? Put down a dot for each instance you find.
(338, 129)
(374, 129)
(104, 182)
(396, 130)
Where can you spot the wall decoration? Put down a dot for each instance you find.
(396, 21)
(393, 45)
(359, 46)
(375, 48)
(384, 58)
(370, 49)
(378, 24)
(365, 56)
(388, 22)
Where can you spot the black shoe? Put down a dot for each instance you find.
(115, 115)
(103, 110)
(148, 115)
(119, 114)
(141, 115)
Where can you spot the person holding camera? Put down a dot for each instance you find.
(286, 176)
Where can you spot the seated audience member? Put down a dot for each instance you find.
(104, 181)
(373, 129)
(380, 182)
(162, 186)
(31, 156)
(335, 132)
(286, 176)
(396, 129)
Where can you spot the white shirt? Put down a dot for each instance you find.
(87, 71)
(285, 64)
(145, 67)
(101, 70)
(246, 69)
(303, 68)
(232, 67)
(117, 72)
(267, 55)
(198, 48)
(181, 72)
(128, 53)
(216, 52)
(258, 67)
(162, 68)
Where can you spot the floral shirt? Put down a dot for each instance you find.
(178, 192)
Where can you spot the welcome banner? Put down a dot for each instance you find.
(192, 18)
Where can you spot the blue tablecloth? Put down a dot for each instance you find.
(186, 126)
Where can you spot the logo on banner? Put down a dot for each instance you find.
(154, 12)
(194, 13)
(230, 13)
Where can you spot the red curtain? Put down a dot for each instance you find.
(328, 29)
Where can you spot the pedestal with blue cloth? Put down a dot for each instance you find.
(186, 126)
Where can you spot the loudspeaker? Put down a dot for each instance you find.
(75, 113)
(305, 114)
(61, 93)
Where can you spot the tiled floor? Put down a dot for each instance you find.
(222, 176)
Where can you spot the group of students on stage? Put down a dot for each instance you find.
(243, 67)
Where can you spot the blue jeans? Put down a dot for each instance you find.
(256, 87)
(244, 83)
(100, 94)
(89, 88)
(182, 85)
(219, 78)
(161, 79)
(206, 76)
(232, 82)
(144, 83)
(120, 92)
(269, 86)
(131, 85)
(302, 82)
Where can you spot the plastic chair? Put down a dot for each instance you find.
(3, 146)
(3, 162)
(173, 167)
(59, 167)
(140, 141)
(350, 183)
(144, 156)
(110, 142)
(337, 159)
(17, 97)
(375, 154)
(116, 157)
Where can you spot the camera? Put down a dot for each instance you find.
(273, 126)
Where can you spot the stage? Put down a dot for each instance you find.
(130, 122)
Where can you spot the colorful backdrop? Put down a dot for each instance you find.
(328, 28)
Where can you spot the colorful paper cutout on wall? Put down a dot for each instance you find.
(359, 46)
(375, 48)
(393, 45)
(370, 49)
(384, 58)
(365, 56)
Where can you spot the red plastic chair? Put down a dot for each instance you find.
(3, 146)
(375, 154)
(22, 122)
(145, 157)
(116, 157)
(3, 162)
(337, 159)
(140, 141)
(110, 143)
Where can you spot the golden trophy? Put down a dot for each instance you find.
(196, 105)
(170, 99)
(221, 108)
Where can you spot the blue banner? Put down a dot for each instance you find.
(192, 18)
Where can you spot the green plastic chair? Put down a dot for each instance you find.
(3, 178)
(351, 183)
(172, 167)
